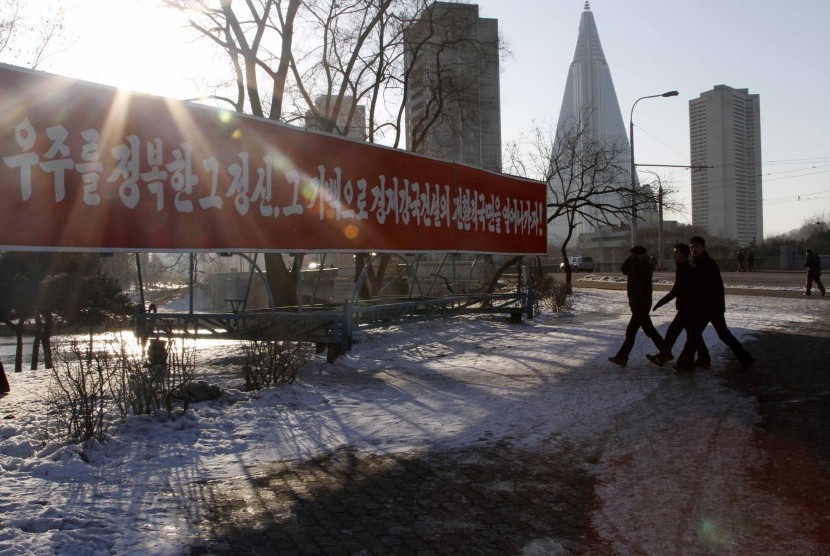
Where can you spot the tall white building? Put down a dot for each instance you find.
(725, 129)
(453, 100)
(589, 91)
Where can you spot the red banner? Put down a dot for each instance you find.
(91, 168)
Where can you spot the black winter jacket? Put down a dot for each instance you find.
(813, 264)
(682, 290)
(708, 286)
(638, 270)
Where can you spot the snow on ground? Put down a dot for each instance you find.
(434, 384)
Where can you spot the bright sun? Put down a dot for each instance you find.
(133, 44)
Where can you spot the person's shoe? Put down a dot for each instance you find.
(617, 360)
(659, 359)
(746, 365)
(684, 368)
(703, 363)
(656, 359)
(808, 293)
(822, 294)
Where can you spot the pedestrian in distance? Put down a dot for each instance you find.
(750, 262)
(813, 264)
(710, 307)
(637, 268)
(740, 258)
(684, 295)
(4, 382)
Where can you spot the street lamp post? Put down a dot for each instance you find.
(660, 219)
(634, 167)
(660, 225)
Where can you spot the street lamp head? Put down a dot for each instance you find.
(634, 166)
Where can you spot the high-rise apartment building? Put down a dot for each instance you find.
(725, 140)
(452, 101)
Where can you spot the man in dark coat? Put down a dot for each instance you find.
(637, 267)
(740, 258)
(710, 306)
(4, 382)
(813, 265)
(683, 291)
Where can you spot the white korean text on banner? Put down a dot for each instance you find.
(88, 167)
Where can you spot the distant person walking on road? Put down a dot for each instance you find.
(637, 267)
(4, 382)
(813, 265)
(683, 292)
(710, 307)
(750, 262)
(740, 258)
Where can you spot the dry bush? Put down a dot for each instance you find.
(548, 293)
(146, 387)
(269, 362)
(91, 389)
(77, 398)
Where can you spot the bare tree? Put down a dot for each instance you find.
(669, 203)
(24, 39)
(587, 177)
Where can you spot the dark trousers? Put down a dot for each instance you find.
(639, 319)
(683, 321)
(694, 338)
(809, 286)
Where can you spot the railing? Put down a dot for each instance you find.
(331, 326)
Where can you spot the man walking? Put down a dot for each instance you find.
(637, 268)
(740, 258)
(710, 306)
(4, 382)
(683, 293)
(813, 265)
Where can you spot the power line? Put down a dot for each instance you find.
(798, 176)
(798, 198)
(791, 196)
(798, 160)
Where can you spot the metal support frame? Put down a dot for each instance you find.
(332, 327)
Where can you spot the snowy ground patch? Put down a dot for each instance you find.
(445, 383)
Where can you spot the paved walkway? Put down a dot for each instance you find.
(792, 382)
(496, 499)
(491, 500)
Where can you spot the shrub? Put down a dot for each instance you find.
(77, 396)
(269, 362)
(548, 293)
(90, 389)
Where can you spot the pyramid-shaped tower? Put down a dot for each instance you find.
(590, 90)
(590, 86)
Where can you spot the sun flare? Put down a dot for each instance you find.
(139, 46)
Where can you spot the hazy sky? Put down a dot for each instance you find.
(776, 49)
